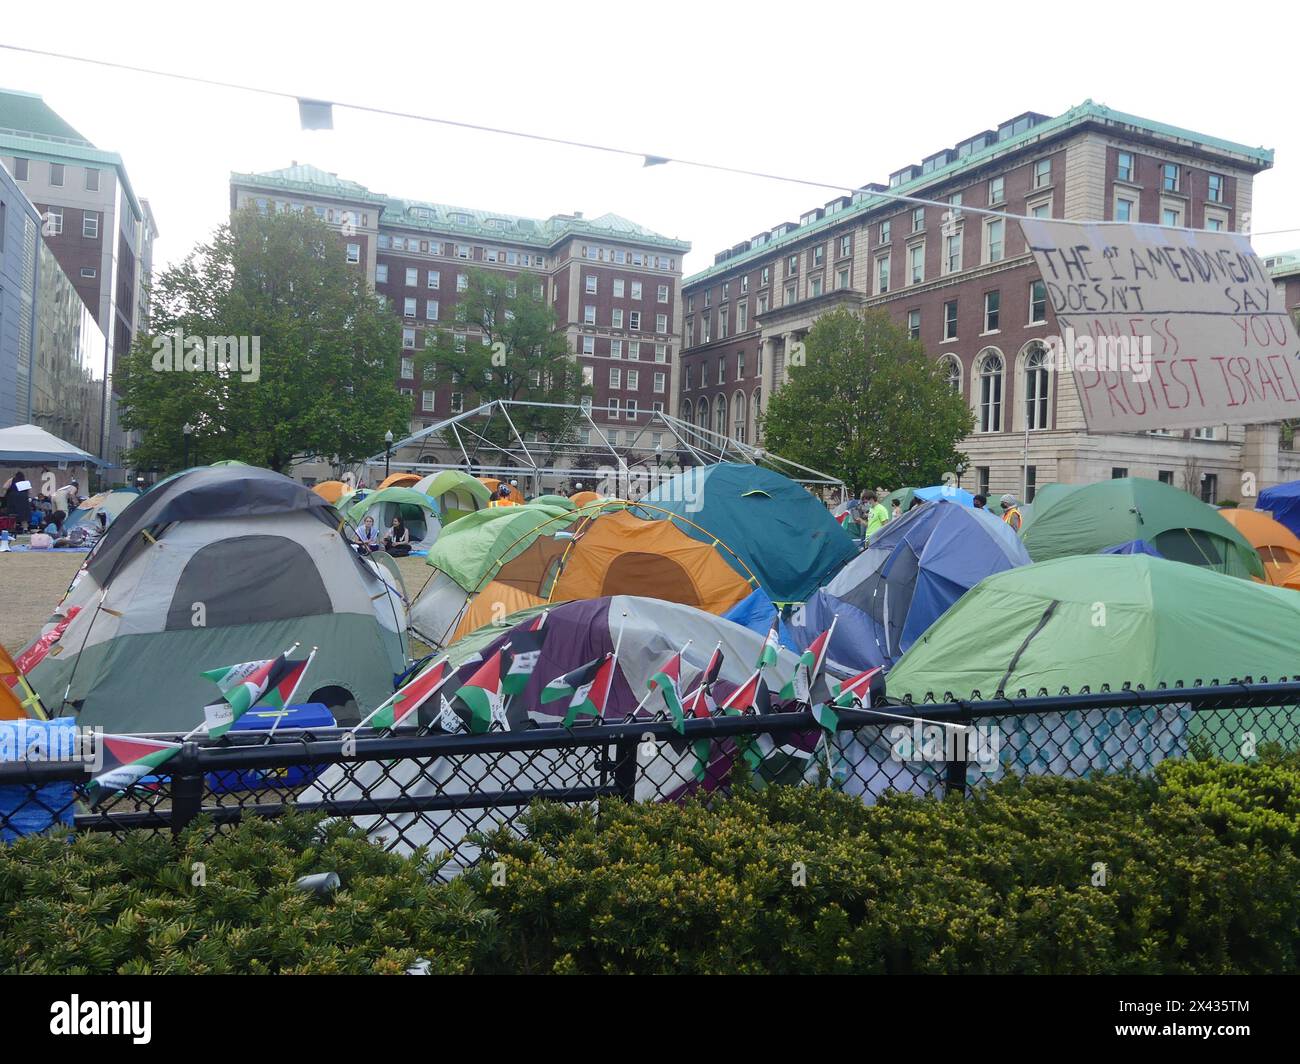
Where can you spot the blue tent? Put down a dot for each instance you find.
(1133, 546)
(780, 531)
(1283, 502)
(918, 566)
(755, 612)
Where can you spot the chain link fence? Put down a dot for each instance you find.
(440, 791)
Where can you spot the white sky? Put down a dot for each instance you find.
(827, 91)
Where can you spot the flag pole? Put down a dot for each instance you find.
(541, 623)
(613, 664)
(651, 690)
(289, 701)
(203, 727)
(387, 701)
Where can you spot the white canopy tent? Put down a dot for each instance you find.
(26, 444)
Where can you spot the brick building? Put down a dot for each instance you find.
(614, 285)
(965, 285)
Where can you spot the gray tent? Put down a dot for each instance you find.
(214, 567)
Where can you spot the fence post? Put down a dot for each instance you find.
(955, 780)
(187, 788)
(625, 754)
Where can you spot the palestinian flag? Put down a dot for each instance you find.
(525, 652)
(126, 760)
(586, 688)
(243, 686)
(856, 689)
(799, 687)
(282, 690)
(478, 701)
(699, 703)
(771, 650)
(747, 696)
(667, 682)
(410, 697)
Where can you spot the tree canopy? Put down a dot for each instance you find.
(867, 405)
(521, 357)
(271, 345)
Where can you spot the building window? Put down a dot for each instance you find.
(426, 401)
(916, 264)
(408, 368)
(592, 282)
(951, 370)
(462, 251)
(20, 169)
(661, 323)
(89, 272)
(1041, 208)
(615, 377)
(950, 320)
(742, 318)
(918, 219)
(457, 402)
(90, 225)
(1124, 209)
(914, 325)
(634, 320)
(53, 221)
(92, 179)
(588, 345)
(661, 353)
(1036, 385)
(1171, 216)
(616, 318)
(1042, 173)
(1124, 166)
(56, 175)
(408, 308)
(1165, 476)
(1215, 192)
(431, 309)
(1169, 177)
(992, 310)
(1037, 303)
(997, 190)
(789, 294)
(462, 282)
(882, 275)
(1213, 224)
(952, 253)
(792, 265)
(1031, 483)
(982, 479)
(633, 380)
(408, 339)
(993, 247)
(589, 315)
(412, 277)
(814, 287)
(817, 254)
(722, 371)
(990, 413)
(434, 279)
(1118, 472)
(661, 383)
(846, 246)
(662, 294)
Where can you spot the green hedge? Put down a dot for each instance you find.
(1201, 874)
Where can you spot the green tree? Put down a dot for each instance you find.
(868, 405)
(523, 357)
(324, 381)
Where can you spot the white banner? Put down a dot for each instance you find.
(1166, 328)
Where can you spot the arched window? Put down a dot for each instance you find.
(739, 411)
(688, 412)
(950, 366)
(1036, 385)
(990, 390)
(702, 418)
(720, 415)
(756, 407)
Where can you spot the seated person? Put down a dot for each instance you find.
(397, 539)
(367, 537)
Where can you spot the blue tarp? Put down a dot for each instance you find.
(755, 612)
(917, 567)
(26, 810)
(776, 527)
(1133, 546)
(1283, 502)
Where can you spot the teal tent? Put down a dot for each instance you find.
(774, 528)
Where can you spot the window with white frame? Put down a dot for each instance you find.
(408, 368)
(1124, 166)
(616, 349)
(616, 317)
(742, 318)
(815, 286)
(992, 310)
(431, 309)
(952, 252)
(408, 307)
(630, 412)
(90, 224)
(457, 403)
(426, 401)
(634, 320)
(997, 190)
(633, 350)
(1171, 214)
(588, 375)
(914, 325)
(589, 314)
(1170, 177)
(636, 289)
(846, 245)
(661, 323)
(412, 277)
(951, 369)
(1037, 303)
(918, 219)
(462, 251)
(588, 345)
(52, 221)
(660, 382)
(354, 253)
(882, 275)
(1042, 173)
(381, 273)
(592, 282)
(408, 338)
(994, 229)
(792, 265)
(842, 278)
(611, 409)
(662, 293)
(990, 392)
(950, 320)
(915, 263)
(434, 280)
(1214, 192)
(661, 352)
(633, 380)
(615, 377)
(1125, 209)
(1036, 386)
(884, 233)
(462, 282)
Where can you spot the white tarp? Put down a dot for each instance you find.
(1166, 328)
(30, 443)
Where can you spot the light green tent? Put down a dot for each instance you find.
(1099, 620)
(418, 512)
(1086, 518)
(561, 501)
(456, 493)
(466, 555)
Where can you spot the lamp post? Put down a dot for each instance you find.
(961, 468)
(187, 430)
(388, 450)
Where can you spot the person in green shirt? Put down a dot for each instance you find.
(871, 514)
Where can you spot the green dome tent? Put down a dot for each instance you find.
(1111, 620)
(456, 493)
(1086, 518)
(418, 512)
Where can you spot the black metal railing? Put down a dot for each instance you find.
(441, 791)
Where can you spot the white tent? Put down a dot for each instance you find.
(30, 443)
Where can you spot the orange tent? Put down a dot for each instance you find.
(399, 480)
(609, 554)
(1277, 546)
(584, 498)
(331, 490)
(493, 484)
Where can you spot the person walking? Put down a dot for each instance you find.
(1010, 511)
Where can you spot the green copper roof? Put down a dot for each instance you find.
(1088, 111)
(1284, 263)
(29, 128)
(456, 221)
(25, 112)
